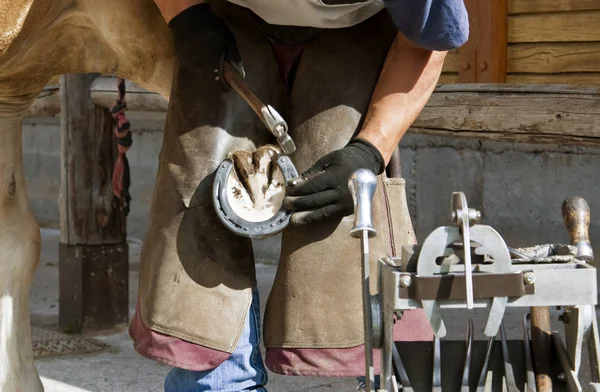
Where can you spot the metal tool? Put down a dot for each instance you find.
(509, 375)
(530, 373)
(435, 245)
(467, 364)
(362, 186)
(581, 328)
(267, 114)
(569, 374)
(400, 370)
(463, 217)
(421, 279)
(576, 216)
(483, 383)
(436, 380)
(278, 127)
(581, 325)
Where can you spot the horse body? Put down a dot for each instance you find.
(38, 41)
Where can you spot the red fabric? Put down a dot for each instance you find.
(121, 131)
(336, 362)
(331, 362)
(171, 350)
(117, 177)
(344, 362)
(287, 58)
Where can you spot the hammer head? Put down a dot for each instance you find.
(278, 127)
(286, 143)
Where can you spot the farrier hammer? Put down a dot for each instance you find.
(267, 114)
(576, 215)
(362, 184)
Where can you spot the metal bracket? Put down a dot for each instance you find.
(581, 326)
(463, 217)
(491, 243)
(452, 286)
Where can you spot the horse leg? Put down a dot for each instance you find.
(129, 39)
(19, 252)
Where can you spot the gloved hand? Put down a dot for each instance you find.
(203, 40)
(325, 191)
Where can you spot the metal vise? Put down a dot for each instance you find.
(468, 265)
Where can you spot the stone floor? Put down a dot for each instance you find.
(119, 368)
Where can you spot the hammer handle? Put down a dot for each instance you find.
(576, 214)
(234, 79)
(541, 342)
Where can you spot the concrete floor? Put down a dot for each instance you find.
(120, 368)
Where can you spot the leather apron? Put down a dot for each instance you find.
(196, 277)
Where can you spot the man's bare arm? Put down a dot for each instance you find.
(170, 8)
(406, 83)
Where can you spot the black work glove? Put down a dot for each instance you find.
(203, 40)
(325, 191)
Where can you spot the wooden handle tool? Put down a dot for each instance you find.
(576, 214)
(541, 347)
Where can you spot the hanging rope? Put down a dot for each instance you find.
(121, 175)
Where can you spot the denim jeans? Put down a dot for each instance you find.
(242, 371)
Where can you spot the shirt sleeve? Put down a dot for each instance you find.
(431, 24)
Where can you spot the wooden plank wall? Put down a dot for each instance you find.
(549, 41)
(451, 68)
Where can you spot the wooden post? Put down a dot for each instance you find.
(483, 56)
(93, 252)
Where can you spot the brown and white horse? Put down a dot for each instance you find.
(38, 41)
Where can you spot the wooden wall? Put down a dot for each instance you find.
(548, 41)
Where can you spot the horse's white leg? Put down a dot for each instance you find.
(129, 39)
(19, 256)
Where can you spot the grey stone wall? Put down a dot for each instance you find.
(42, 165)
(519, 188)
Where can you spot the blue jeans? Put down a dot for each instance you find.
(242, 371)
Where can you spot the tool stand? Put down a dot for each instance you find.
(468, 266)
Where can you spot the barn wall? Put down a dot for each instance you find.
(519, 187)
(549, 41)
(42, 166)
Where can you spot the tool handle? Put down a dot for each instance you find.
(234, 79)
(541, 346)
(576, 215)
(362, 186)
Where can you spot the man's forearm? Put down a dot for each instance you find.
(406, 83)
(170, 8)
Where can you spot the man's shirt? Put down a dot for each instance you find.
(431, 24)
